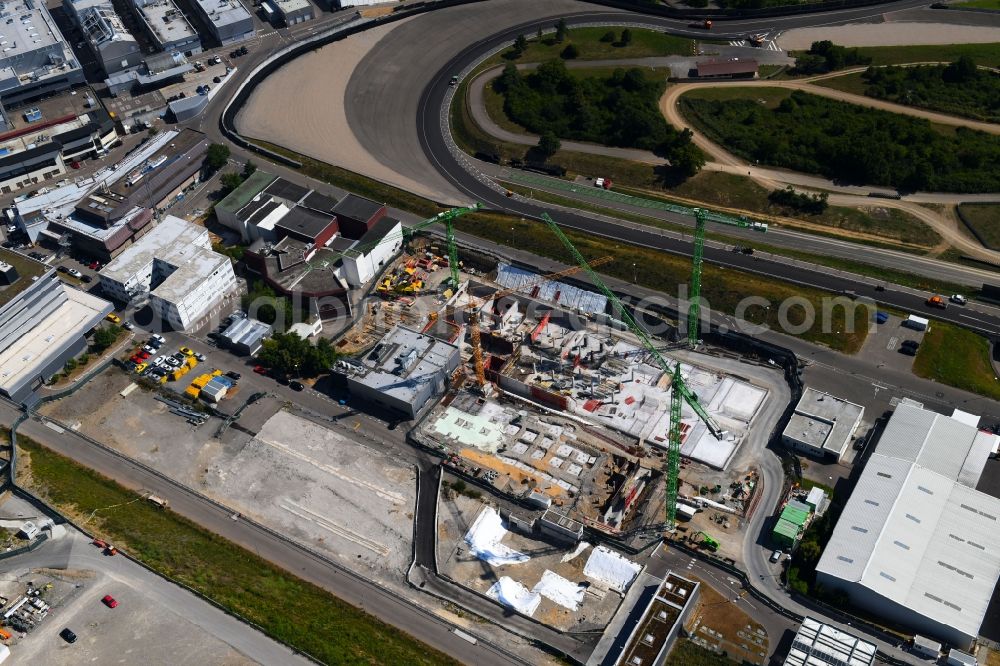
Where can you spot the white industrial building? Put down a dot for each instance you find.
(35, 59)
(917, 544)
(818, 644)
(369, 255)
(823, 425)
(402, 372)
(175, 264)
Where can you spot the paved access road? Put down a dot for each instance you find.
(350, 587)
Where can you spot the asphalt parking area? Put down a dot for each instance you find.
(884, 342)
(138, 630)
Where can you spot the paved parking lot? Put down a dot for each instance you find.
(882, 347)
(155, 622)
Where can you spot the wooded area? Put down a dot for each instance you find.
(617, 110)
(851, 144)
(960, 88)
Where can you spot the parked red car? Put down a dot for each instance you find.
(143, 355)
(109, 601)
(136, 359)
(260, 370)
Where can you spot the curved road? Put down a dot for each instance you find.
(382, 94)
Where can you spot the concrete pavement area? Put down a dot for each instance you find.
(156, 622)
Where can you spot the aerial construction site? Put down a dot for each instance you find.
(555, 398)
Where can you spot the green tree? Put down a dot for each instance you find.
(510, 78)
(626, 37)
(217, 156)
(562, 31)
(104, 337)
(230, 181)
(548, 144)
(249, 168)
(83, 359)
(520, 45)
(686, 160)
(70, 365)
(608, 37)
(570, 52)
(291, 355)
(962, 70)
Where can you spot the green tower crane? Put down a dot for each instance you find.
(679, 392)
(694, 304)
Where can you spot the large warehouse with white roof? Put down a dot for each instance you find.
(917, 544)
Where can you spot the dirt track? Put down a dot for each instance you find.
(772, 179)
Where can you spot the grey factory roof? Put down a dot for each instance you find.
(246, 332)
(320, 202)
(100, 22)
(287, 190)
(403, 361)
(224, 12)
(289, 6)
(818, 644)
(914, 530)
(823, 421)
(31, 29)
(165, 20)
(305, 221)
(358, 208)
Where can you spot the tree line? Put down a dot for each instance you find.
(852, 144)
(825, 56)
(617, 110)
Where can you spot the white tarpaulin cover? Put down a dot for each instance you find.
(610, 568)
(511, 593)
(484, 539)
(564, 592)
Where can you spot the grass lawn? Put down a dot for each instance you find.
(768, 97)
(289, 609)
(983, 54)
(979, 4)
(959, 358)
(645, 44)
(985, 219)
(849, 83)
(733, 191)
